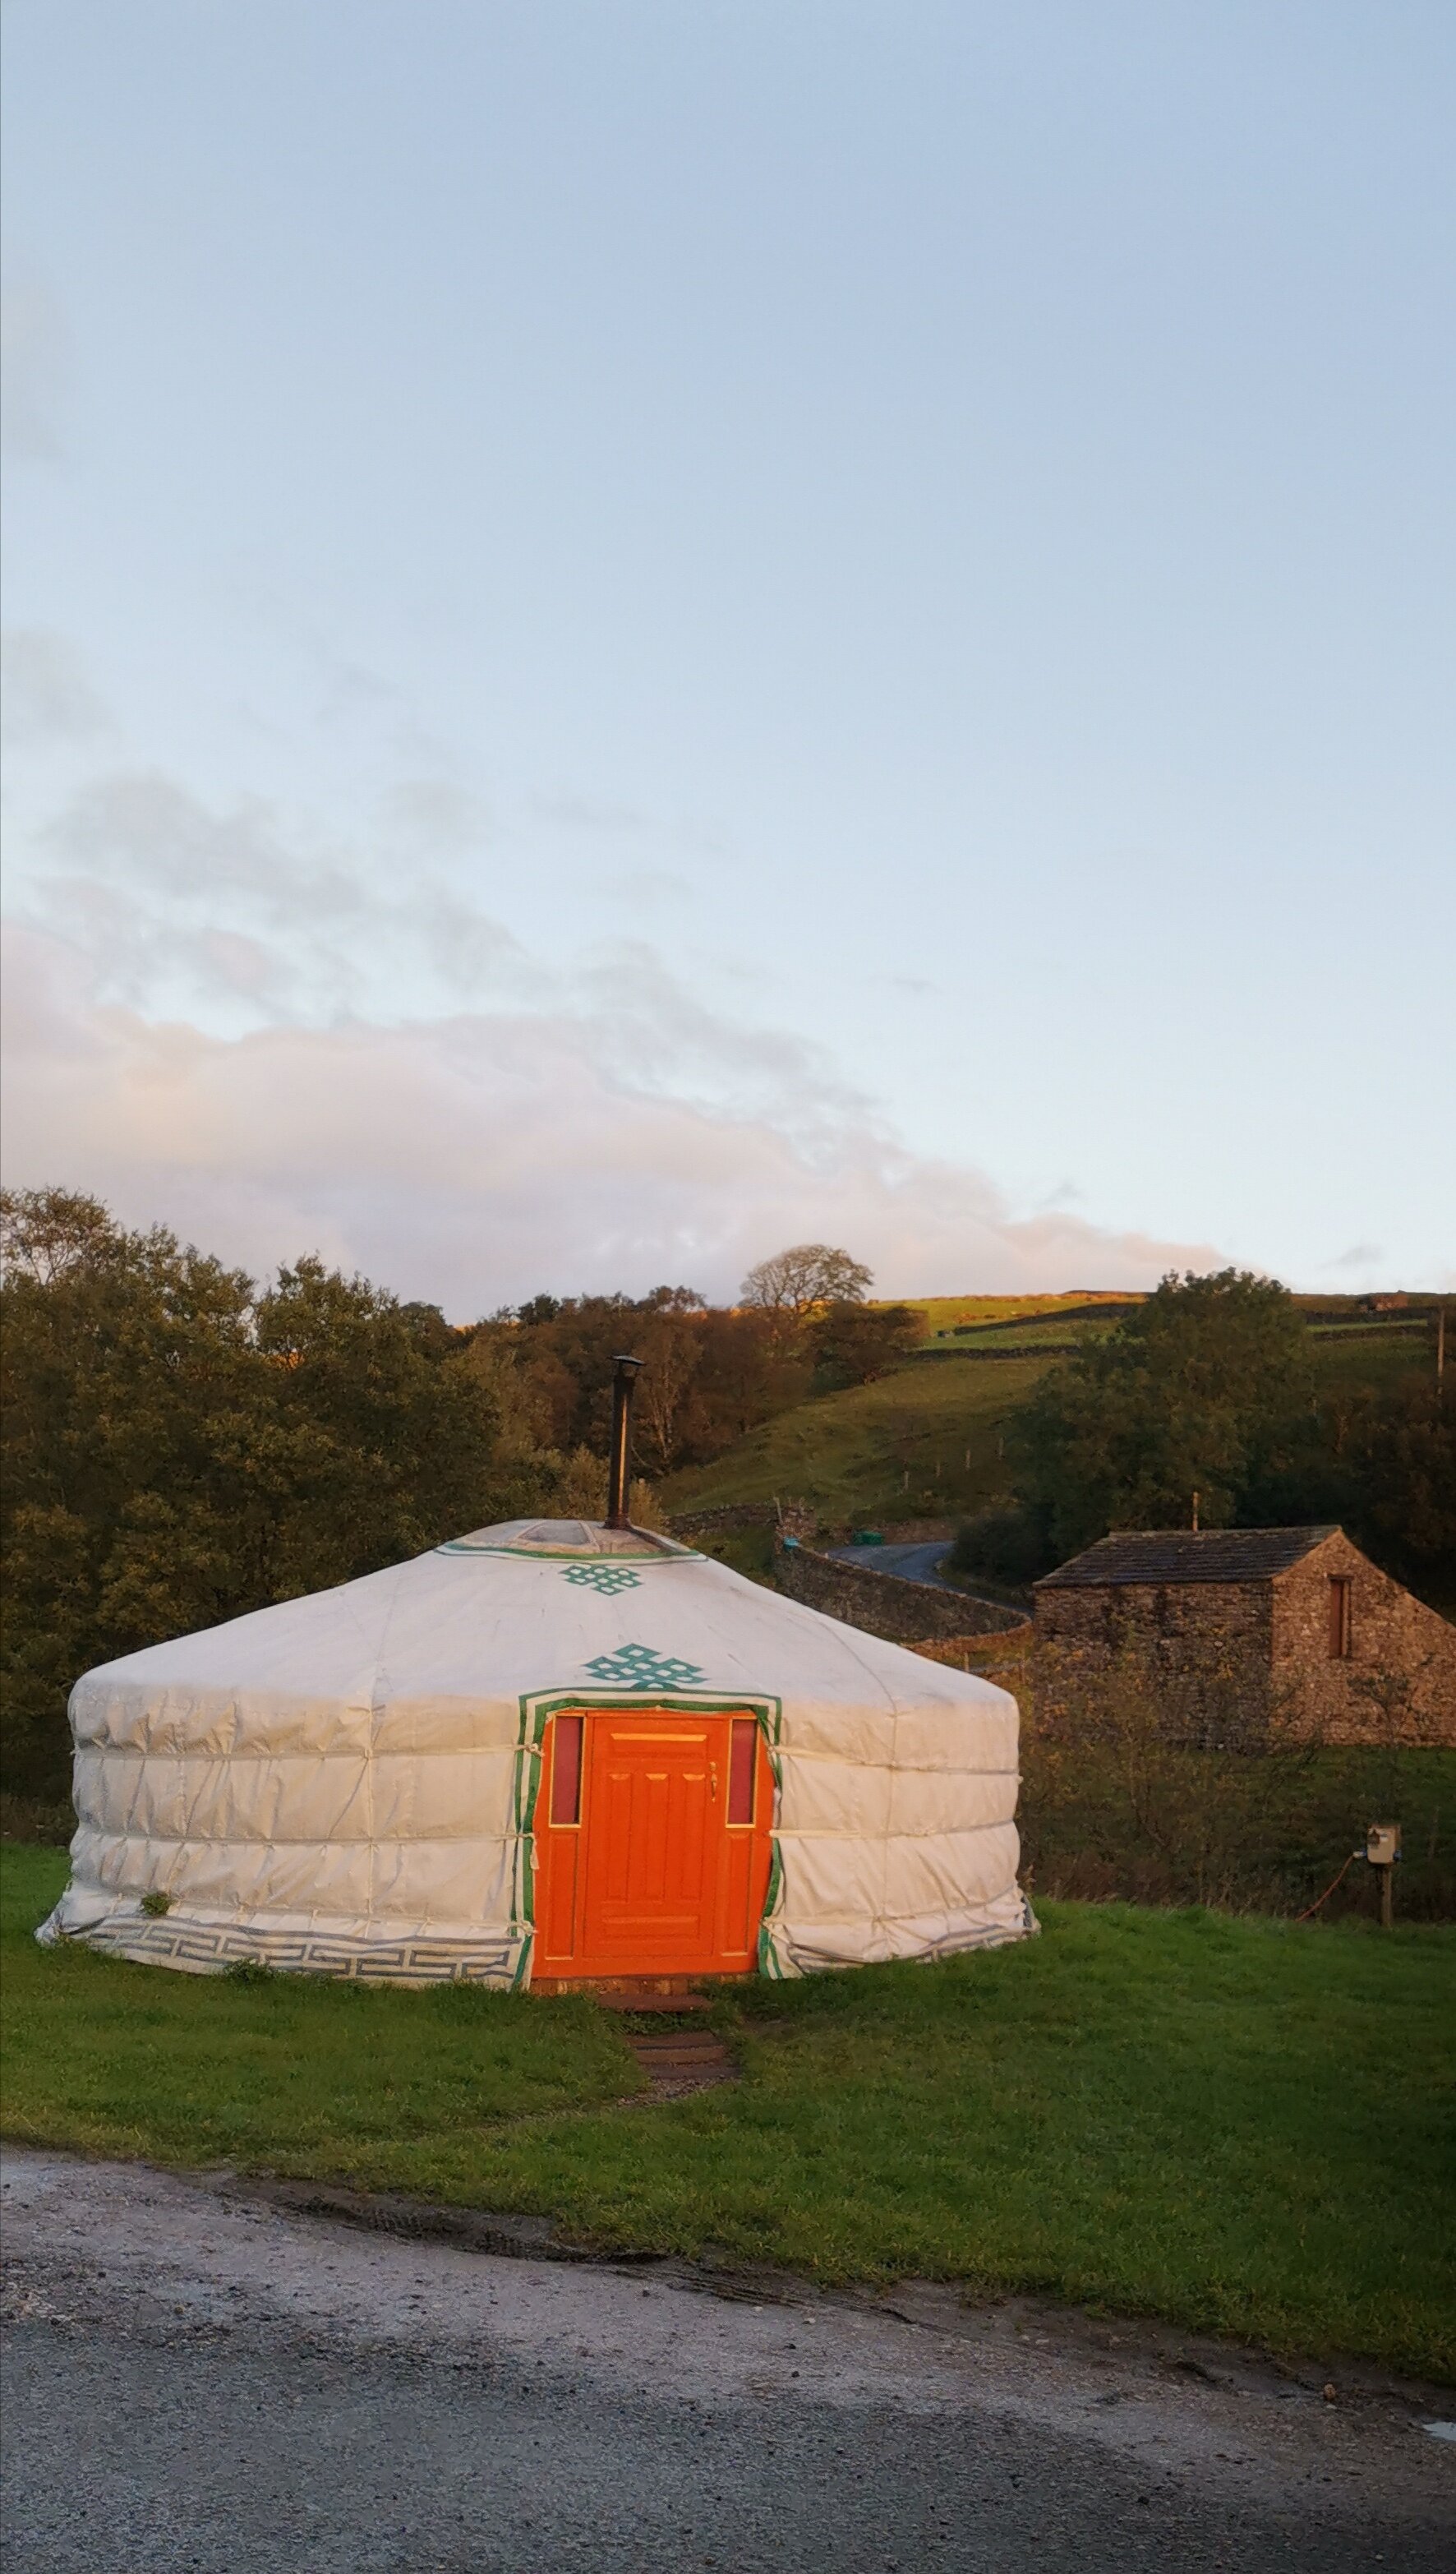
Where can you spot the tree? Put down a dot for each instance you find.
(853, 1344)
(132, 1393)
(708, 1375)
(180, 1448)
(46, 1231)
(669, 1345)
(1204, 1389)
(793, 1282)
(1401, 1468)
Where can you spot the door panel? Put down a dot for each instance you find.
(653, 1877)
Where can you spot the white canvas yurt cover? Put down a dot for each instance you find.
(347, 1784)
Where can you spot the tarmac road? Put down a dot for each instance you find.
(916, 1562)
(199, 2381)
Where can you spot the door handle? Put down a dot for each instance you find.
(712, 1778)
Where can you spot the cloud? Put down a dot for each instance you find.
(45, 694)
(473, 1158)
(1361, 1255)
(647, 885)
(157, 886)
(432, 817)
(580, 813)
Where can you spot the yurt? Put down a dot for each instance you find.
(551, 1754)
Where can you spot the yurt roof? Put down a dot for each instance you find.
(526, 1607)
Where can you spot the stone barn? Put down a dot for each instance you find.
(1285, 1627)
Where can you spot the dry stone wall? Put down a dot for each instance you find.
(883, 1604)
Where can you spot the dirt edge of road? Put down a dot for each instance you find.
(943, 2307)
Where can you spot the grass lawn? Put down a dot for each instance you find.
(1235, 2123)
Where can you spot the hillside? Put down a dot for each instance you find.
(927, 1439)
(923, 1438)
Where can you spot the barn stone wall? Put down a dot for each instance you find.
(1399, 1680)
(1204, 1649)
(1224, 1657)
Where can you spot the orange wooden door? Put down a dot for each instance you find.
(653, 1844)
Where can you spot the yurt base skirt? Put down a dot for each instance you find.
(201, 1946)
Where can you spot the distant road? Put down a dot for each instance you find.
(918, 1563)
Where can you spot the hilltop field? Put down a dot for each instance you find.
(929, 1438)
(1090, 1313)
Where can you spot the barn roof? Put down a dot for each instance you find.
(1187, 1555)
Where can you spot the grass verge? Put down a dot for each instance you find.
(1239, 2125)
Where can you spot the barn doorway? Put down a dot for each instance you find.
(653, 1844)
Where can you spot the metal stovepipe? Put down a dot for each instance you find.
(619, 1466)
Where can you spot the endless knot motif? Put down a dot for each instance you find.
(638, 1667)
(605, 1578)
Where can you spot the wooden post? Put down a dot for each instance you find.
(1382, 1850)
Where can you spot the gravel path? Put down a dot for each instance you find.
(198, 2378)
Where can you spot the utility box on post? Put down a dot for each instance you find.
(1382, 1849)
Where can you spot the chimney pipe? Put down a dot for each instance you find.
(619, 1470)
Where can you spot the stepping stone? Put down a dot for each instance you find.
(679, 2061)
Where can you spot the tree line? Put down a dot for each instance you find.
(1206, 1401)
(183, 1445)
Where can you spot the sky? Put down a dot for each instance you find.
(634, 633)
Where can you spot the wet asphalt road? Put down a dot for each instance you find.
(920, 1561)
(196, 2380)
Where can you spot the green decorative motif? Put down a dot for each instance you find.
(638, 1667)
(605, 1578)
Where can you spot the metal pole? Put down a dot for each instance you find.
(619, 1464)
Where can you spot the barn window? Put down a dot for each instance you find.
(1340, 1590)
(566, 1771)
(743, 1768)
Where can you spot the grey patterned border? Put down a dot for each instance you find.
(307, 1953)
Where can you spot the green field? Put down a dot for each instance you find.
(943, 1313)
(1237, 2124)
(920, 1439)
(1376, 1357)
(1032, 1333)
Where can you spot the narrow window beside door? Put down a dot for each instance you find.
(742, 1764)
(566, 1771)
(1340, 1590)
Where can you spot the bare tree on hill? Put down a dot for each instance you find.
(807, 1275)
